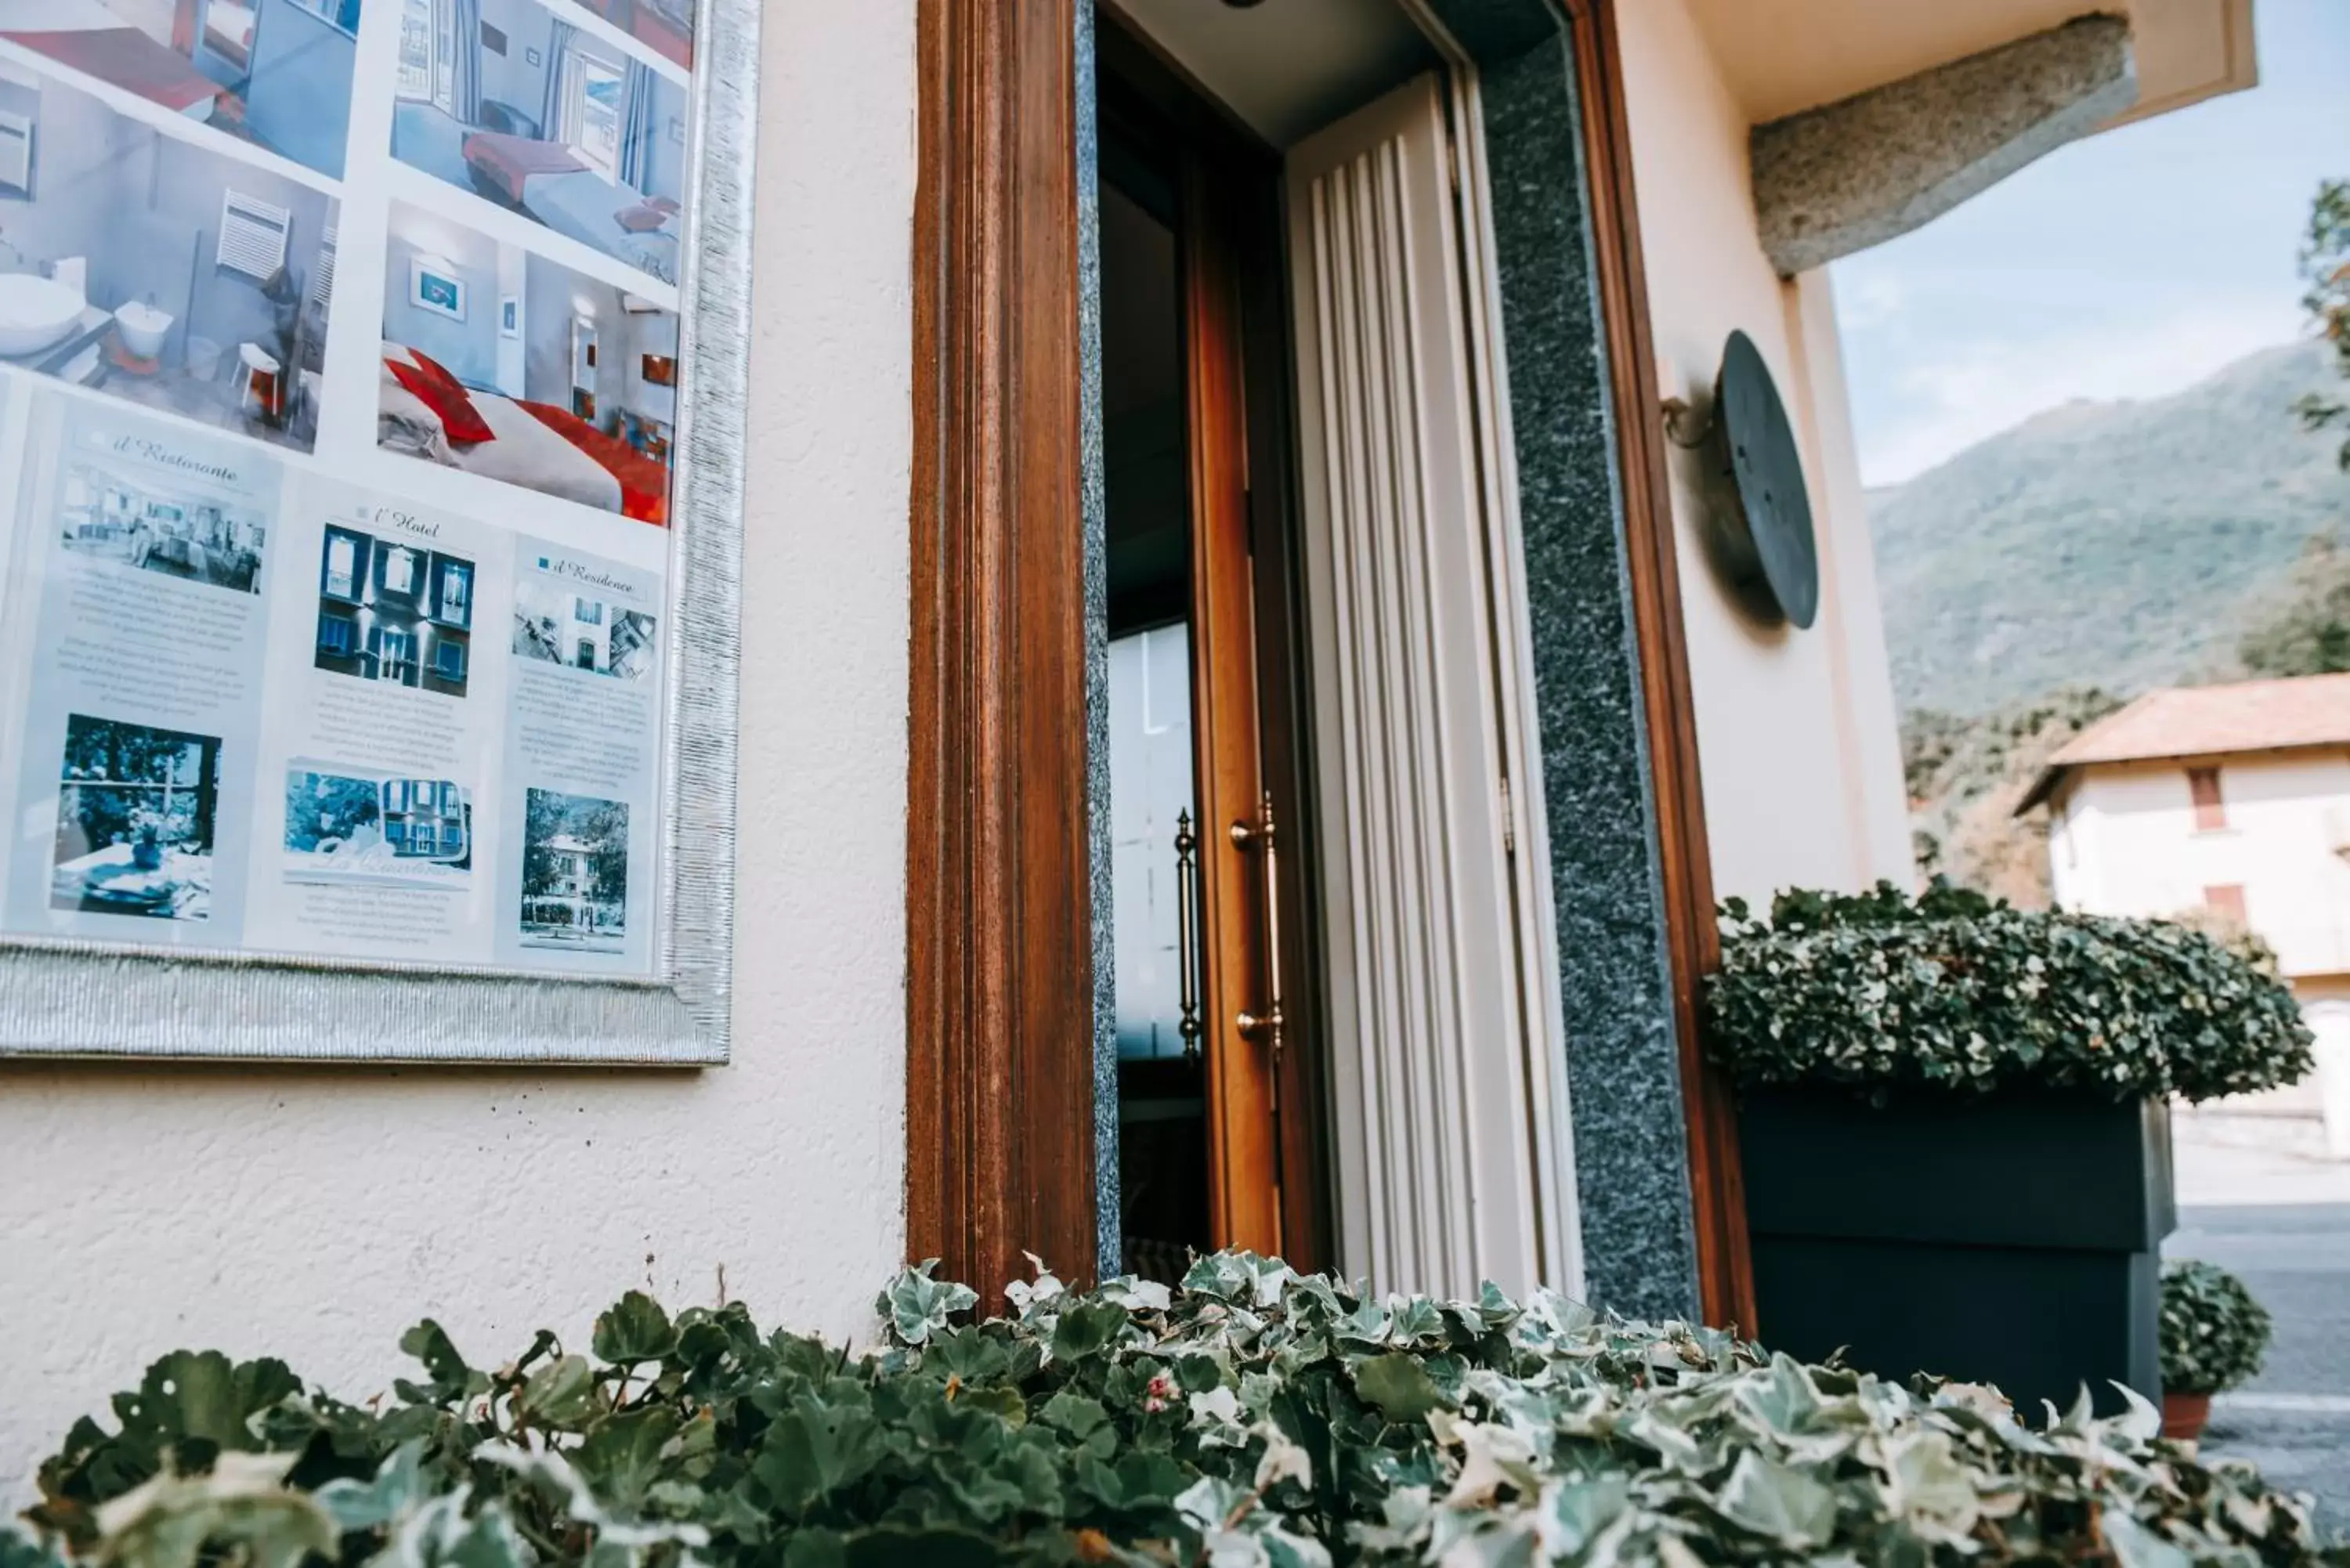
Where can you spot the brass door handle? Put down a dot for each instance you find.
(1187, 934)
(1264, 838)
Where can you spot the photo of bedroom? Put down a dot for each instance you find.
(275, 73)
(163, 274)
(506, 365)
(665, 26)
(503, 98)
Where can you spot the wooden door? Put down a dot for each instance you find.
(1245, 1022)
(1255, 957)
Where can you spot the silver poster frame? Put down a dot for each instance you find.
(85, 1000)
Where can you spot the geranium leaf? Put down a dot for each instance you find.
(634, 1330)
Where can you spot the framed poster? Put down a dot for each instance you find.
(370, 488)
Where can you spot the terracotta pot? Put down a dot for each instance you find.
(2183, 1415)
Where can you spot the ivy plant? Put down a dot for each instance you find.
(2214, 1334)
(1252, 1419)
(1948, 991)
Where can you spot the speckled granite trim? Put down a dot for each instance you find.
(1107, 1245)
(1847, 175)
(1631, 1138)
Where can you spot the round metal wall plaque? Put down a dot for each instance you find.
(1767, 546)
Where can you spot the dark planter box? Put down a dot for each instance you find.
(2009, 1241)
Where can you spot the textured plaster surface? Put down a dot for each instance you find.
(1838, 179)
(1623, 1068)
(1796, 733)
(314, 1214)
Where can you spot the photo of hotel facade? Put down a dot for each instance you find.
(347, 825)
(556, 625)
(393, 611)
(575, 880)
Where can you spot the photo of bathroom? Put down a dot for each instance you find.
(164, 274)
(274, 73)
(503, 99)
(506, 365)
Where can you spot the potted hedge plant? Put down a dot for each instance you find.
(2214, 1336)
(1954, 1119)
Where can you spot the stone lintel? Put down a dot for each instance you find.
(1847, 175)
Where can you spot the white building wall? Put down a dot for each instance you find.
(313, 1214)
(2127, 843)
(1796, 729)
(2133, 849)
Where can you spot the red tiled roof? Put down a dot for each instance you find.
(2208, 721)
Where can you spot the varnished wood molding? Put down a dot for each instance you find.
(1725, 1262)
(999, 991)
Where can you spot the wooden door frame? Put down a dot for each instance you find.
(1685, 857)
(1000, 1009)
(1000, 1064)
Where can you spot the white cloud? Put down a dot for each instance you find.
(1867, 298)
(1949, 399)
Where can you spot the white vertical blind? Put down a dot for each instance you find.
(1446, 1098)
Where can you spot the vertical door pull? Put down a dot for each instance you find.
(1187, 933)
(1263, 837)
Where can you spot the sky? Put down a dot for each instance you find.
(2130, 265)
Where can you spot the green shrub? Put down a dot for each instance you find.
(1952, 991)
(2214, 1335)
(1251, 1419)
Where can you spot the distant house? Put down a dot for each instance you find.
(2234, 799)
(562, 894)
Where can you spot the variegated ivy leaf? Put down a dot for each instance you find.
(916, 1306)
(1262, 1419)
(242, 1510)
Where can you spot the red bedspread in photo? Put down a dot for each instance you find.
(644, 483)
(506, 161)
(127, 58)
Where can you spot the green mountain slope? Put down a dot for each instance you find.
(2111, 544)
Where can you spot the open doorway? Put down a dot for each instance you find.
(1335, 993)
(1161, 1057)
(1218, 1103)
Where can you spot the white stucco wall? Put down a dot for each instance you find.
(314, 1214)
(2122, 840)
(2125, 842)
(1796, 730)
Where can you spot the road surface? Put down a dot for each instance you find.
(2293, 1420)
